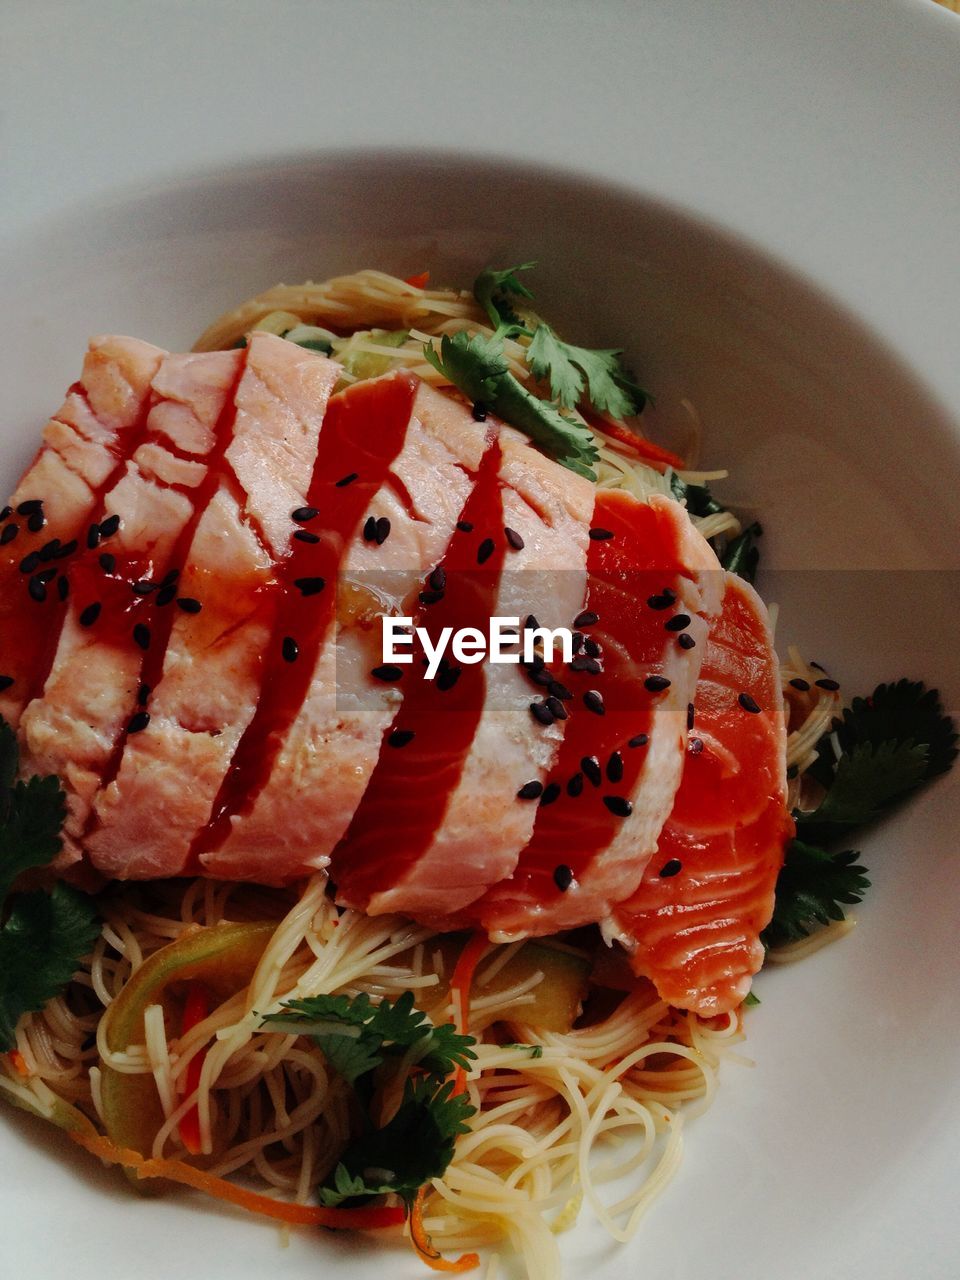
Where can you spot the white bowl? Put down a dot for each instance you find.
(762, 217)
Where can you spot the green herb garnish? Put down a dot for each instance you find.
(44, 935)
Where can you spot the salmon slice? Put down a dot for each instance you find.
(453, 798)
(414, 468)
(94, 687)
(653, 586)
(84, 447)
(693, 925)
(205, 674)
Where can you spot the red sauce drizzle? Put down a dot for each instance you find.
(31, 628)
(363, 432)
(639, 561)
(408, 791)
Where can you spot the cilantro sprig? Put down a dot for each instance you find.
(890, 745)
(44, 935)
(366, 1044)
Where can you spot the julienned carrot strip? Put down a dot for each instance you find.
(643, 448)
(194, 1011)
(419, 281)
(16, 1059)
(460, 983)
(424, 1245)
(302, 1215)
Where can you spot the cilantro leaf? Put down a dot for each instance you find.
(573, 371)
(44, 937)
(867, 780)
(492, 289)
(32, 814)
(413, 1147)
(475, 365)
(902, 712)
(742, 555)
(698, 498)
(810, 888)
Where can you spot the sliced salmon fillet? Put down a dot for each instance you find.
(654, 584)
(94, 689)
(206, 674)
(439, 822)
(323, 738)
(84, 447)
(693, 925)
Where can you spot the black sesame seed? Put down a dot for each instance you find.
(67, 549)
(30, 507)
(143, 694)
(304, 535)
(382, 531)
(400, 737)
(591, 767)
(93, 537)
(479, 411)
(290, 649)
(551, 792)
(10, 531)
(438, 578)
(431, 597)
(615, 767)
(5, 681)
(141, 636)
(830, 685)
(562, 877)
(6, 513)
(593, 701)
(108, 562)
(541, 712)
(558, 690)
(345, 480)
(485, 550)
(37, 589)
(600, 535)
(656, 684)
(802, 685)
(638, 740)
(695, 746)
(535, 664)
(660, 602)
(46, 575)
(63, 587)
(575, 785)
(531, 622)
(578, 638)
(691, 715)
(542, 676)
(386, 673)
(592, 647)
(138, 722)
(90, 614)
(679, 622)
(465, 526)
(748, 703)
(687, 641)
(670, 868)
(370, 529)
(30, 562)
(582, 663)
(447, 678)
(36, 522)
(304, 514)
(309, 586)
(586, 619)
(513, 538)
(109, 526)
(530, 790)
(50, 550)
(619, 806)
(556, 706)
(166, 596)
(170, 578)
(188, 604)
(141, 588)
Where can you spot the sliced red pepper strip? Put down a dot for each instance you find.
(195, 1009)
(460, 983)
(419, 281)
(655, 454)
(303, 1215)
(424, 1245)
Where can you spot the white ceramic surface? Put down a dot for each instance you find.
(766, 215)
